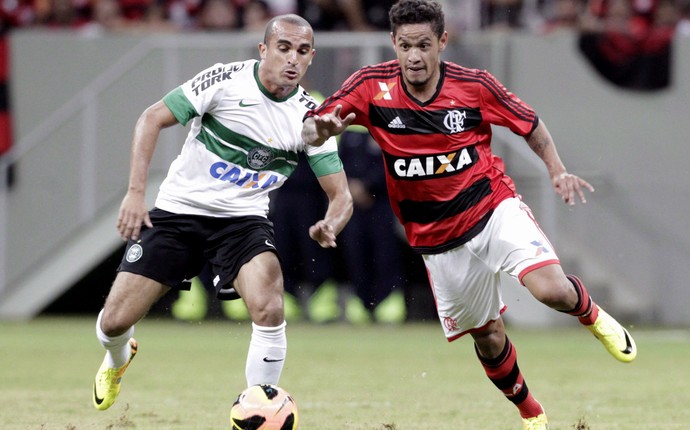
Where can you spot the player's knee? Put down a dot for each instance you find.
(490, 341)
(113, 326)
(557, 294)
(269, 312)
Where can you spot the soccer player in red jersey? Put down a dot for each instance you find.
(460, 211)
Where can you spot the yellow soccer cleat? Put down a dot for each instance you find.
(107, 384)
(535, 423)
(614, 337)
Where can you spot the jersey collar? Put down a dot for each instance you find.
(268, 93)
(439, 85)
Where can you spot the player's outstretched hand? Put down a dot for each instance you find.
(566, 185)
(332, 123)
(323, 233)
(133, 214)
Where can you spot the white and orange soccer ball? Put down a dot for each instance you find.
(264, 407)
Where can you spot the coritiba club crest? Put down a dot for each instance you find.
(259, 158)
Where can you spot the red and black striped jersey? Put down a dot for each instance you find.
(443, 179)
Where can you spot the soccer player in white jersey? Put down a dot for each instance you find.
(246, 123)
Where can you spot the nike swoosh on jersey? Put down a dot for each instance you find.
(243, 104)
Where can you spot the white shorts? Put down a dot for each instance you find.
(466, 280)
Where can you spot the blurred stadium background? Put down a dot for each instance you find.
(75, 99)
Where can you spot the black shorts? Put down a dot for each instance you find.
(177, 247)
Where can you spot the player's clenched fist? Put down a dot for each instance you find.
(323, 233)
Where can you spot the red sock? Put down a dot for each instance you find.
(586, 310)
(504, 372)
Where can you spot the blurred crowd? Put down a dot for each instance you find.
(631, 16)
(627, 41)
(618, 37)
(137, 15)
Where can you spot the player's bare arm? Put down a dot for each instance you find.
(133, 209)
(338, 213)
(565, 184)
(317, 129)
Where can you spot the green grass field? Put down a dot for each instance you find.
(407, 377)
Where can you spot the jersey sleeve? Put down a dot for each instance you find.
(501, 107)
(325, 164)
(324, 159)
(198, 95)
(180, 106)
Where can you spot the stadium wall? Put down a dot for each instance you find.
(76, 98)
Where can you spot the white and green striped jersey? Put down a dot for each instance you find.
(242, 144)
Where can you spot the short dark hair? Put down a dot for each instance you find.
(417, 12)
(290, 18)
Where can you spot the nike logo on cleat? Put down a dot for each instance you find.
(97, 399)
(272, 360)
(628, 345)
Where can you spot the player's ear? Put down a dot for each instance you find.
(443, 40)
(262, 51)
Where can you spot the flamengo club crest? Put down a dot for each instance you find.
(455, 121)
(450, 324)
(259, 158)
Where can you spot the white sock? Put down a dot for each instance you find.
(117, 348)
(266, 356)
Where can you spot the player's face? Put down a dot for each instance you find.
(285, 57)
(419, 53)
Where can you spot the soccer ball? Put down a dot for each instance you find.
(264, 407)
